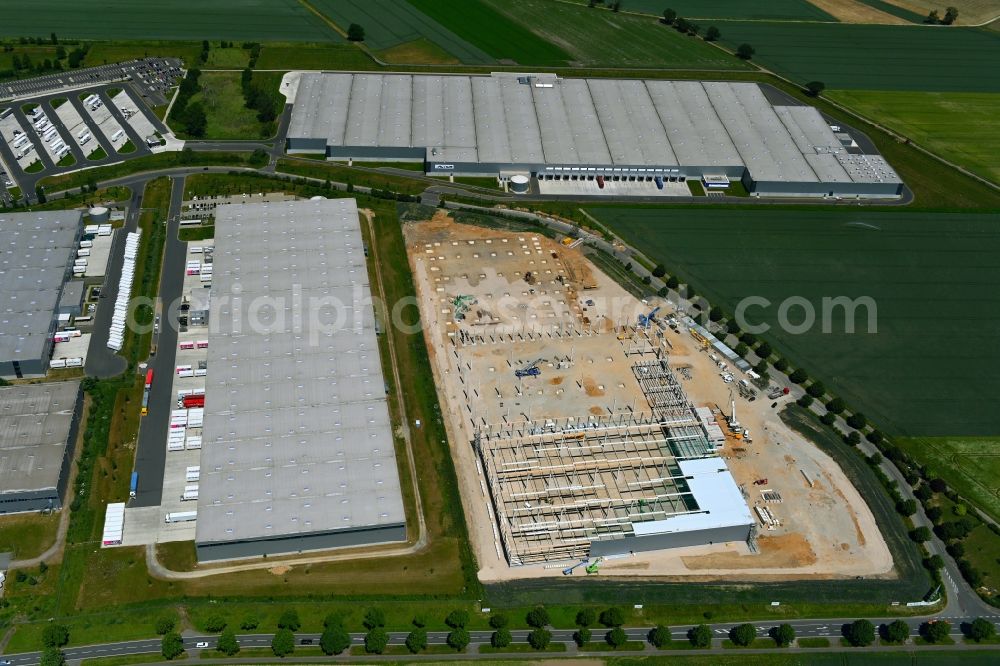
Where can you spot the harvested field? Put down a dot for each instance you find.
(857, 11)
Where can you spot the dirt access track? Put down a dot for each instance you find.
(821, 526)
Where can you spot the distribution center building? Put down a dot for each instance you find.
(36, 260)
(578, 129)
(38, 427)
(298, 451)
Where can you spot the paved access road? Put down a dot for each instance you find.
(151, 453)
(803, 629)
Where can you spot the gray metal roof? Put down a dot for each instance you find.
(297, 437)
(35, 421)
(542, 119)
(35, 256)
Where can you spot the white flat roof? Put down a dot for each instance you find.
(507, 118)
(297, 437)
(720, 502)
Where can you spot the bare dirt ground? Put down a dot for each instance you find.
(821, 527)
(851, 11)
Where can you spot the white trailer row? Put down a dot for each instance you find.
(75, 125)
(117, 335)
(53, 142)
(18, 140)
(114, 524)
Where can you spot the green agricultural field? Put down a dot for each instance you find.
(970, 465)
(605, 39)
(257, 20)
(389, 23)
(800, 10)
(960, 127)
(505, 39)
(934, 279)
(874, 57)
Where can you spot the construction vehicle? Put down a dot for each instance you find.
(462, 305)
(645, 320)
(531, 370)
(592, 569)
(569, 570)
(568, 241)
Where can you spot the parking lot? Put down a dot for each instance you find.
(95, 126)
(152, 77)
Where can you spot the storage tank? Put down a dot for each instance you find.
(519, 184)
(99, 215)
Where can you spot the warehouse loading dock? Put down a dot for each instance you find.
(556, 127)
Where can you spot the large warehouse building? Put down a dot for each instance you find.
(297, 442)
(38, 426)
(36, 260)
(579, 129)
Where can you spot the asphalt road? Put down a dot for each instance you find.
(101, 361)
(831, 629)
(151, 452)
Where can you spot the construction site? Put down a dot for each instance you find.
(596, 434)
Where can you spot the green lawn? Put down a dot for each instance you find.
(842, 55)
(34, 167)
(982, 550)
(27, 535)
(97, 154)
(934, 278)
(257, 20)
(505, 39)
(729, 9)
(970, 465)
(313, 56)
(127, 147)
(389, 23)
(960, 127)
(344, 174)
(233, 57)
(102, 53)
(149, 163)
(228, 118)
(66, 161)
(605, 39)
